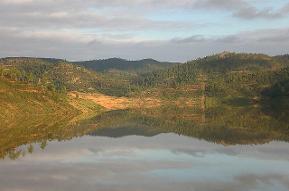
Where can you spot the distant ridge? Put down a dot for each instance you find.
(53, 60)
(144, 65)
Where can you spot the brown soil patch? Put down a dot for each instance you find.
(116, 103)
(108, 102)
(29, 90)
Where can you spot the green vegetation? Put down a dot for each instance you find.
(55, 75)
(226, 75)
(172, 77)
(18, 100)
(139, 66)
(222, 75)
(280, 86)
(61, 76)
(118, 76)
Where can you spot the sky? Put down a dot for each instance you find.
(166, 30)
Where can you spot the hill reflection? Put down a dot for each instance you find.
(226, 125)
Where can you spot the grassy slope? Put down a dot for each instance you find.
(31, 114)
(19, 100)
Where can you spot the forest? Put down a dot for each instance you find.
(221, 76)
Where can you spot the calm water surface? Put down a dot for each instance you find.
(134, 154)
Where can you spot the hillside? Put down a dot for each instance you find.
(139, 66)
(280, 85)
(29, 114)
(36, 88)
(225, 75)
(52, 74)
(19, 101)
(61, 76)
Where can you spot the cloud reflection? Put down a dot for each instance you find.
(164, 162)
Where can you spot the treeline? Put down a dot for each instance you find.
(30, 71)
(238, 83)
(172, 77)
(242, 74)
(280, 86)
(227, 62)
(137, 66)
(226, 74)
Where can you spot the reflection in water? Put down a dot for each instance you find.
(169, 148)
(221, 125)
(163, 162)
(226, 126)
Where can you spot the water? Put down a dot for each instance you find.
(152, 150)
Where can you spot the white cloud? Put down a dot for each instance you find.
(82, 46)
(83, 29)
(16, 1)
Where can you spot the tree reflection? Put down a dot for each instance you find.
(225, 124)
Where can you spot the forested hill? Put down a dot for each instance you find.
(227, 62)
(60, 76)
(145, 65)
(282, 58)
(52, 74)
(223, 75)
(21, 60)
(227, 74)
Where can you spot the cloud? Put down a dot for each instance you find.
(243, 9)
(83, 11)
(258, 36)
(87, 20)
(190, 39)
(79, 46)
(251, 12)
(16, 1)
(163, 29)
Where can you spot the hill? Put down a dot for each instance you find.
(53, 74)
(145, 65)
(61, 76)
(224, 75)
